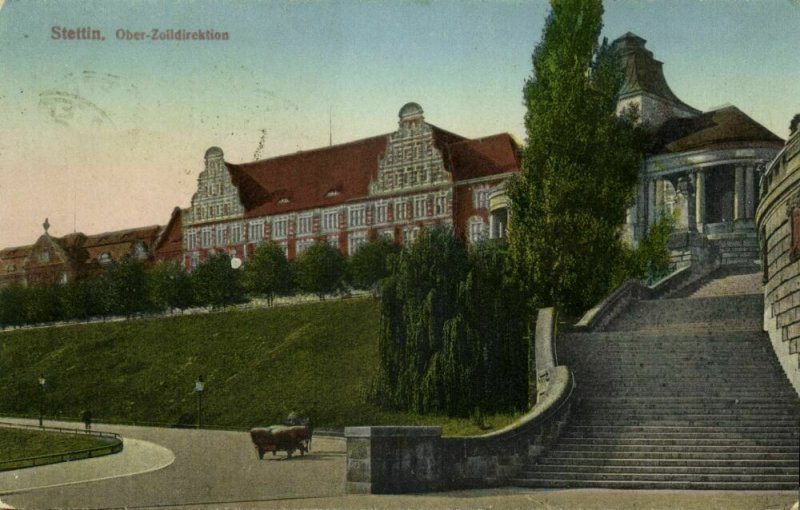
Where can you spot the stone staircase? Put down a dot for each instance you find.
(677, 394)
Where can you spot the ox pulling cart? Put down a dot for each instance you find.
(281, 438)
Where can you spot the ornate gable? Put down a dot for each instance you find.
(217, 198)
(411, 159)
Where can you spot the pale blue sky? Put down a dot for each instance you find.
(108, 135)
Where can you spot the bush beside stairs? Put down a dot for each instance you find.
(678, 394)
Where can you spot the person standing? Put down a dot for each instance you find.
(87, 419)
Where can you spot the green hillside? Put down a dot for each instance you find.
(315, 359)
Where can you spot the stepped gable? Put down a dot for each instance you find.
(677, 394)
(717, 129)
(643, 73)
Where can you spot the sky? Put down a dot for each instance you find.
(101, 135)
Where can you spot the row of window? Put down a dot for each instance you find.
(409, 152)
(402, 210)
(213, 211)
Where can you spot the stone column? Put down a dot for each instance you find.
(691, 203)
(738, 194)
(651, 202)
(700, 199)
(749, 193)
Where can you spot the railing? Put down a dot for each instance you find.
(114, 446)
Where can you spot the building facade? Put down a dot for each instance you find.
(778, 221)
(390, 185)
(58, 260)
(703, 168)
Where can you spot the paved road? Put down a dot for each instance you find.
(208, 466)
(213, 469)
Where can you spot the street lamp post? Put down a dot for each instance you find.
(42, 385)
(199, 386)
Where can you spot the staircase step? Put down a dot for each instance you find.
(665, 476)
(675, 431)
(766, 485)
(677, 394)
(671, 445)
(696, 453)
(645, 461)
(537, 470)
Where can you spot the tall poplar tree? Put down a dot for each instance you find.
(580, 164)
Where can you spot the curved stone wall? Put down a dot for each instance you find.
(780, 196)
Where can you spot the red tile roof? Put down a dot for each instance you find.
(306, 178)
(483, 157)
(333, 175)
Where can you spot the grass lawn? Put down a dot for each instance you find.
(18, 444)
(314, 359)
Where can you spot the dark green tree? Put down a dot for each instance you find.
(43, 304)
(127, 287)
(651, 259)
(75, 300)
(216, 283)
(495, 324)
(418, 299)
(580, 164)
(370, 263)
(267, 272)
(12, 306)
(320, 269)
(169, 286)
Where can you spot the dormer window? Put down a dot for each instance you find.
(44, 257)
(332, 193)
(284, 200)
(11, 268)
(104, 258)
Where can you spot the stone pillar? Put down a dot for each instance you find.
(651, 202)
(749, 193)
(641, 209)
(686, 188)
(700, 199)
(393, 460)
(492, 226)
(738, 194)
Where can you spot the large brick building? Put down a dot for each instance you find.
(52, 259)
(388, 185)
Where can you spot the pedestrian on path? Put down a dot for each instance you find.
(87, 419)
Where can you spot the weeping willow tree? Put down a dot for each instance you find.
(452, 338)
